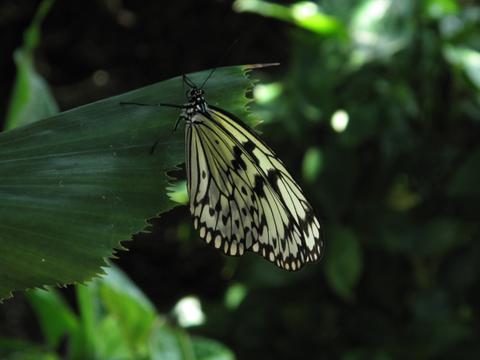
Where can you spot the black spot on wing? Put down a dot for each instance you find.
(224, 219)
(259, 184)
(249, 145)
(237, 162)
(272, 178)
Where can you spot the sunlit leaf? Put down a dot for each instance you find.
(468, 60)
(305, 14)
(374, 29)
(177, 192)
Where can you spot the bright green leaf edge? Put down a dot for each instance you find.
(75, 185)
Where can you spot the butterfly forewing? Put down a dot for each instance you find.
(242, 197)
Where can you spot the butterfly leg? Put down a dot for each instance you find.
(181, 117)
(152, 149)
(159, 104)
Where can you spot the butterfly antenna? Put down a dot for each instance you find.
(219, 62)
(189, 82)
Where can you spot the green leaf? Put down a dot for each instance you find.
(375, 30)
(133, 312)
(312, 164)
(112, 345)
(304, 14)
(467, 60)
(206, 349)
(343, 262)
(31, 98)
(74, 185)
(85, 342)
(177, 192)
(174, 343)
(170, 343)
(55, 316)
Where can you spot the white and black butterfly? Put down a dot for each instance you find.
(241, 196)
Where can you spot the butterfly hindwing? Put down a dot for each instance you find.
(242, 197)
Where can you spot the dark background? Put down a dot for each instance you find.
(398, 191)
(162, 39)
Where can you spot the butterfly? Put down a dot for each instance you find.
(241, 196)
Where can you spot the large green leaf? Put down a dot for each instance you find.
(74, 185)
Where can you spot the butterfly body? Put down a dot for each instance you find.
(241, 196)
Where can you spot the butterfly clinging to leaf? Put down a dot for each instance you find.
(241, 197)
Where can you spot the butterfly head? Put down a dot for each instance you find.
(195, 94)
(196, 99)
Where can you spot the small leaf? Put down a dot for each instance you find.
(343, 262)
(177, 192)
(312, 164)
(31, 98)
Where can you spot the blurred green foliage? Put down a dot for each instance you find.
(115, 320)
(380, 114)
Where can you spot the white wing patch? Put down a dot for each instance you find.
(242, 197)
